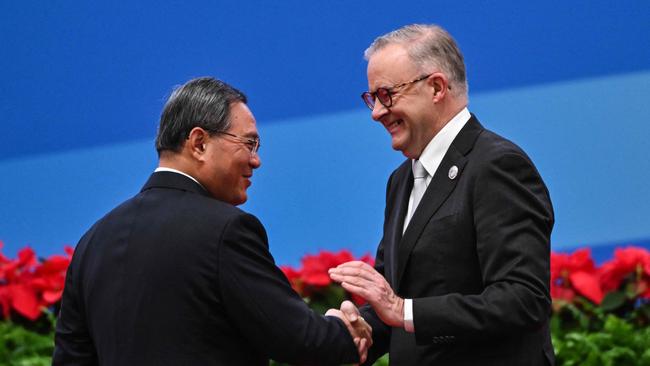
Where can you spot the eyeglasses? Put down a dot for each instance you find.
(385, 95)
(252, 144)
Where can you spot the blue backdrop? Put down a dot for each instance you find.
(83, 85)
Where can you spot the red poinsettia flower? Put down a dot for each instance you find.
(315, 267)
(574, 274)
(313, 276)
(25, 300)
(17, 277)
(50, 278)
(631, 263)
(12, 269)
(27, 286)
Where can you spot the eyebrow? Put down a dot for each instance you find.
(388, 87)
(251, 135)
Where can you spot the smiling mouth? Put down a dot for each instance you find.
(393, 125)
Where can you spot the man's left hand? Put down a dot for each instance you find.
(361, 279)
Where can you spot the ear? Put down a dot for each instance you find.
(438, 81)
(196, 142)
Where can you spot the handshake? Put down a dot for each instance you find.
(359, 329)
(363, 280)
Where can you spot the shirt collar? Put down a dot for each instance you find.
(164, 169)
(436, 149)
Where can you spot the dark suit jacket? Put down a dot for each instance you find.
(475, 259)
(175, 277)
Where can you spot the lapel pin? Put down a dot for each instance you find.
(453, 172)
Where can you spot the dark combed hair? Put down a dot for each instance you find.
(202, 102)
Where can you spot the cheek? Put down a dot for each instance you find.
(406, 129)
(238, 171)
(240, 194)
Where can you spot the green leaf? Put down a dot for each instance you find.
(23, 347)
(613, 300)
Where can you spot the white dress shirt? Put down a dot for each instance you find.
(431, 158)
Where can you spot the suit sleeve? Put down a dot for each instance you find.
(260, 301)
(380, 331)
(513, 219)
(72, 342)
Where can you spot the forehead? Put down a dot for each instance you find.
(389, 66)
(241, 119)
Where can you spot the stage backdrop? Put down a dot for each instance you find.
(83, 85)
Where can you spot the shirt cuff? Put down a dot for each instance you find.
(408, 316)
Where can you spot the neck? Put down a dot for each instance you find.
(454, 107)
(446, 112)
(177, 161)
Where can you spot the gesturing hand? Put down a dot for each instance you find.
(360, 331)
(361, 279)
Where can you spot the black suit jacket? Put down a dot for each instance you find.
(175, 277)
(474, 259)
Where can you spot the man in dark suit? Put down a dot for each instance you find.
(462, 270)
(177, 275)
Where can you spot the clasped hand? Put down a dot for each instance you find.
(360, 331)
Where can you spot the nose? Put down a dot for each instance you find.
(255, 161)
(379, 111)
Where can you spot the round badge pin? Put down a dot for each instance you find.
(453, 172)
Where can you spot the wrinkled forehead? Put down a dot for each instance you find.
(390, 65)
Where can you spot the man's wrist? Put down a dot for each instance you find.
(396, 315)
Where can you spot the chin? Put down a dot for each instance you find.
(241, 199)
(237, 200)
(410, 155)
(398, 146)
(405, 151)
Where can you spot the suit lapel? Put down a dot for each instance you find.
(437, 192)
(404, 184)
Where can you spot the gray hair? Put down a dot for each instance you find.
(428, 45)
(202, 102)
